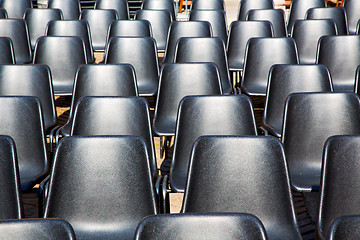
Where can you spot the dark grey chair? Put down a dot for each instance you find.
(126, 28)
(346, 227)
(200, 226)
(7, 51)
(234, 174)
(168, 5)
(115, 193)
(70, 8)
(207, 5)
(275, 16)
(352, 9)
(121, 7)
(16, 8)
(309, 120)
(246, 5)
(3, 13)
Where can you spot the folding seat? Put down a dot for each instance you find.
(168, 5)
(260, 55)
(207, 5)
(103, 199)
(245, 174)
(246, 5)
(70, 8)
(285, 79)
(160, 21)
(7, 51)
(191, 226)
(63, 54)
(141, 53)
(341, 55)
(16, 8)
(307, 33)
(126, 28)
(3, 13)
(10, 207)
(28, 229)
(298, 9)
(340, 186)
(99, 22)
(37, 20)
(352, 9)
(275, 16)
(346, 227)
(335, 13)
(205, 49)
(181, 29)
(17, 31)
(74, 28)
(121, 7)
(216, 18)
(310, 119)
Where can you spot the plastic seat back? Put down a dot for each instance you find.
(115, 193)
(168, 5)
(126, 28)
(275, 16)
(121, 7)
(246, 5)
(7, 51)
(239, 172)
(16, 8)
(336, 13)
(199, 226)
(346, 227)
(3, 13)
(70, 8)
(208, 5)
(352, 9)
(310, 119)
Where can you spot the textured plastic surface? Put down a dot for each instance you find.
(275, 16)
(134, 28)
(16, 8)
(352, 9)
(121, 7)
(346, 227)
(336, 13)
(246, 5)
(70, 8)
(246, 175)
(168, 5)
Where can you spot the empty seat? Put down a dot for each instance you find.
(207, 5)
(168, 5)
(346, 227)
(126, 28)
(275, 16)
(121, 7)
(16, 8)
(335, 13)
(69, 8)
(246, 5)
(352, 9)
(7, 51)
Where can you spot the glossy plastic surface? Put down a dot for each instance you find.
(134, 28)
(275, 16)
(336, 13)
(168, 5)
(207, 5)
(7, 51)
(346, 227)
(352, 9)
(70, 8)
(16, 8)
(3, 13)
(246, 5)
(121, 7)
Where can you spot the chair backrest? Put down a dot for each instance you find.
(125, 28)
(335, 13)
(74, 28)
(309, 120)
(352, 9)
(16, 8)
(346, 227)
(121, 7)
(208, 49)
(63, 54)
(70, 8)
(207, 5)
(160, 21)
(21, 119)
(307, 33)
(179, 29)
(141, 53)
(3, 13)
(239, 34)
(298, 9)
(115, 193)
(285, 79)
(275, 16)
(30, 80)
(178, 80)
(260, 55)
(99, 23)
(340, 188)
(10, 207)
(246, 5)
(245, 174)
(37, 20)
(7, 51)
(168, 5)
(198, 226)
(28, 229)
(216, 18)
(332, 51)
(207, 115)
(17, 31)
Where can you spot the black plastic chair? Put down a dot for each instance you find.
(216, 18)
(260, 55)
(160, 21)
(275, 16)
(17, 31)
(7, 51)
(352, 9)
(346, 227)
(339, 189)
(190, 226)
(286, 79)
(246, 5)
(29, 229)
(309, 120)
(168, 5)
(141, 53)
(99, 23)
(3, 13)
(298, 9)
(121, 7)
(70, 8)
(181, 29)
(126, 28)
(74, 28)
(103, 199)
(11, 206)
(207, 5)
(210, 49)
(235, 174)
(37, 20)
(63, 55)
(307, 33)
(16, 8)
(341, 55)
(239, 34)
(335, 13)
